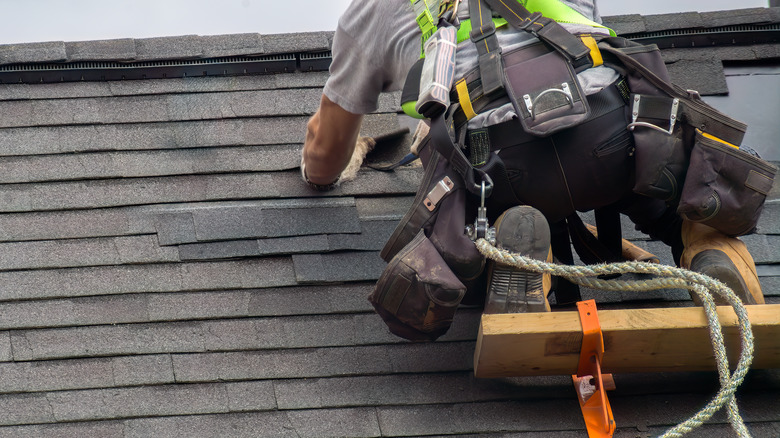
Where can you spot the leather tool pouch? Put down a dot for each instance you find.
(544, 90)
(420, 289)
(417, 294)
(688, 155)
(726, 187)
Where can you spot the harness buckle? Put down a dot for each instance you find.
(531, 20)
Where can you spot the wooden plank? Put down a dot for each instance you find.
(635, 340)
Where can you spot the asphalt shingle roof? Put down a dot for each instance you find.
(165, 272)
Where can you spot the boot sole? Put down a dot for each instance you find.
(522, 230)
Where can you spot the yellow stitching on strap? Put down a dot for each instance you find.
(595, 53)
(464, 99)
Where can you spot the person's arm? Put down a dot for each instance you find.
(330, 140)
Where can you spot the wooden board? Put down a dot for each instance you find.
(635, 340)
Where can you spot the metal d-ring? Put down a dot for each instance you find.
(635, 115)
(531, 103)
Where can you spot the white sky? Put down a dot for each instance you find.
(79, 20)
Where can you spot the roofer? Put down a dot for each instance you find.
(539, 170)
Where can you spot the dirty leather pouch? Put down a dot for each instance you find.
(417, 294)
(544, 90)
(726, 187)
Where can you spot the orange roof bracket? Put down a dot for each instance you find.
(590, 384)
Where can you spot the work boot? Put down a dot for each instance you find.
(710, 252)
(521, 230)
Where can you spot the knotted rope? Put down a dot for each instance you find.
(665, 277)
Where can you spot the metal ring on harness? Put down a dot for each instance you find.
(484, 188)
(531, 104)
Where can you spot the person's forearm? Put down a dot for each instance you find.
(330, 140)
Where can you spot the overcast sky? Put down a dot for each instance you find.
(79, 20)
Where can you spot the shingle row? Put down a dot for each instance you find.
(372, 237)
(207, 84)
(305, 363)
(168, 135)
(182, 306)
(257, 219)
(64, 406)
(168, 107)
(217, 335)
(168, 48)
(160, 277)
(634, 23)
(192, 188)
(105, 165)
(123, 221)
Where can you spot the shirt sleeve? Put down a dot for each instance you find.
(375, 44)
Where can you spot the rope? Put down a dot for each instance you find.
(665, 277)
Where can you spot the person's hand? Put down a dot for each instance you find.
(363, 146)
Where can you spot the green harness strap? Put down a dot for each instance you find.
(427, 18)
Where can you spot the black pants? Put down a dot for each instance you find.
(583, 168)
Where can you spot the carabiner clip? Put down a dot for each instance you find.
(481, 229)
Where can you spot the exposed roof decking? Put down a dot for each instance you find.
(166, 273)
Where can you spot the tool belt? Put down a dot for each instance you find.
(687, 153)
(647, 134)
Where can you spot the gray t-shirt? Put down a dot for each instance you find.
(378, 41)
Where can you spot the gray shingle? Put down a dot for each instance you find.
(296, 42)
(303, 300)
(106, 429)
(84, 252)
(111, 309)
(6, 353)
(477, 418)
(174, 228)
(52, 51)
(179, 47)
(358, 422)
(408, 389)
(302, 424)
(163, 277)
(25, 409)
(299, 300)
(328, 268)
(85, 373)
(103, 50)
(224, 249)
(625, 24)
(277, 219)
(372, 237)
(386, 208)
(768, 223)
(706, 77)
(764, 249)
(159, 400)
(683, 20)
(215, 46)
(324, 362)
(770, 286)
(150, 163)
(735, 17)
